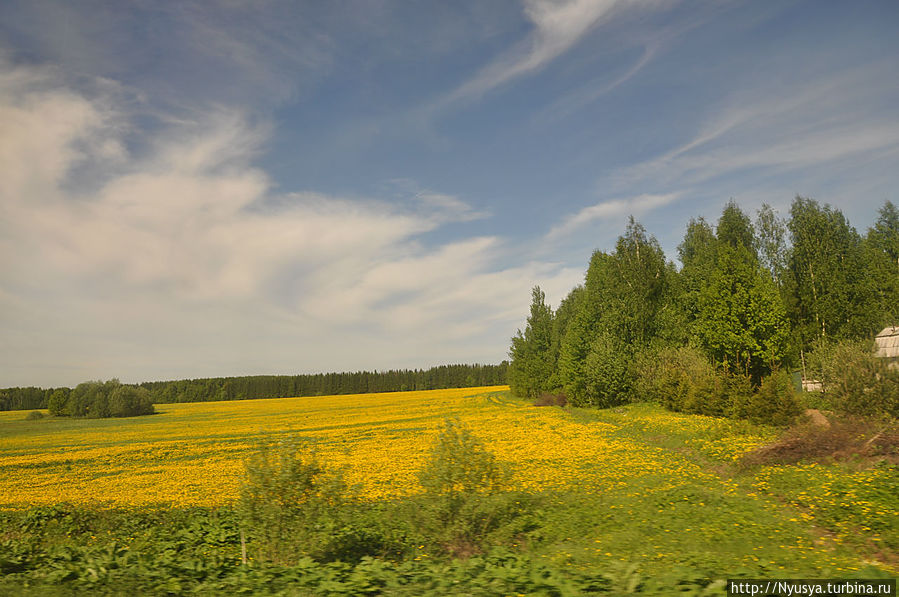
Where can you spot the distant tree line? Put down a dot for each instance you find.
(749, 302)
(283, 386)
(26, 398)
(326, 384)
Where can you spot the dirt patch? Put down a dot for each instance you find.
(816, 417)
(549, 399)
(823, 439)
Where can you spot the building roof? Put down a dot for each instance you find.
(888, 342)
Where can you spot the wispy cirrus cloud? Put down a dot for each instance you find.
(557, 26)
(178, 54)
(614, 208)
(815, 126)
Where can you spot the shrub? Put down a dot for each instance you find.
(775, 402)
(462, 502)
(291, 506)
(739, 396)
(34, 415)
(285, 499)
(609, 378)
(460, 465)
(856, 381)
(682, 379)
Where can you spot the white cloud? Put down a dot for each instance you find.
(591, 92)
(821, 124)
(182, 260)
(448, 207)
(557, 26)
(609, 209)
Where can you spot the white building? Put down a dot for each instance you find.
(887, 343)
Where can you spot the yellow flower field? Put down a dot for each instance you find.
(193, 453)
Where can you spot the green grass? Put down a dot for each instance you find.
(644, 536)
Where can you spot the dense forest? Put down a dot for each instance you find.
(750, 301)
(282, 386)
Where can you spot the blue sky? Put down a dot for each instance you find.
(194, 189)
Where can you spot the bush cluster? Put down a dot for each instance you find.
(293, 506)
(855, 381)
(464, 501)
(98, 400)
(683, 380)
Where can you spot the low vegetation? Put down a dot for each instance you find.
(445, 492)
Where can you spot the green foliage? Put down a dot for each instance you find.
(34, 415)
(575, 346)
(25, 398)
(568, 309)
(624, 294)
(99, 400)
(194, 553)
(66, 551)
(881, 249)
(608, 377)
(460, 465)
(327, 384)
(698, 255)
(884, 235)
(463, 502)
(829, 278)
(634, 289)
(269, 386)
(644, 536)
(741, 321)
(532, 355)
(740, 398)
(291, 506)
(682, 379)
(775, 402)
(855, 381)
(128, 401)
(772, 243)
(753, 303)
(58, 403)
(735, 229)
(728, 302)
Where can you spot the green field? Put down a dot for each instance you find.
(627, 500)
